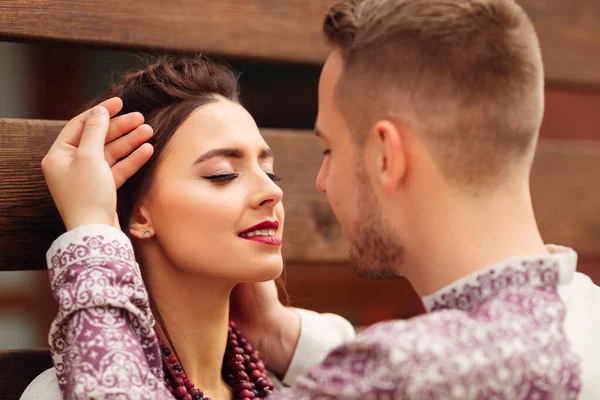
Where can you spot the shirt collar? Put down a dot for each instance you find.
(553, 269)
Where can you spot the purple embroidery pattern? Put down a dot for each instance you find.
(499, 336)
(510, 347)
(536, 273)
(102, 339)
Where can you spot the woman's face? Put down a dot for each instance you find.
(213, 203)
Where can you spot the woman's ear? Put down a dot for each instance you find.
(390, 155)
(140, 225)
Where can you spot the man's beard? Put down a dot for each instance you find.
(375, 252)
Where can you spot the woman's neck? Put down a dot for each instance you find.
(195, 313)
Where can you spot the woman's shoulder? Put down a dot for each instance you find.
(45, 386)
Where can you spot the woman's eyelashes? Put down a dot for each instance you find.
(219, 178)
(274, 178)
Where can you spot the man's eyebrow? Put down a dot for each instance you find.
(231, 153)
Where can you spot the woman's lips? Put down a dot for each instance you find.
(264, 233)
(269, 240)
(263, 225)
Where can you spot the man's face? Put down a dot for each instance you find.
(344, 179)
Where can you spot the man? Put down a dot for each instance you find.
(435, 107)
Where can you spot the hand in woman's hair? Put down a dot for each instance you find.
(90, 158)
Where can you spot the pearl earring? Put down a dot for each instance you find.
(147, 234)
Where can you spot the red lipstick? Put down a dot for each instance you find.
(264, 239)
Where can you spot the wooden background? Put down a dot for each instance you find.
(277, 46)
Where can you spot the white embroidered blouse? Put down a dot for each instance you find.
(319, 333)
(524, 328)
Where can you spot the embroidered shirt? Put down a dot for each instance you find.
(496, 334)
(102, 341)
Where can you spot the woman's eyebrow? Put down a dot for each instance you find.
(231, 153)
(224, 152)
(266, 153)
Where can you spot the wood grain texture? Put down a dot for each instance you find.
(564, 185)
(18, 368)
(336, 288)
(28, 218)
(270, 29)
(569, 35)
(571, 113)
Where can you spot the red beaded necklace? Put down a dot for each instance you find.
(243, 370)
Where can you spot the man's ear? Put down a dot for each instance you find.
(390, 156)
(140, 225)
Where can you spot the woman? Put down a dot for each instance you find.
(203, 214)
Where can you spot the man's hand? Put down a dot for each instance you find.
(83, 174)
(271, 327)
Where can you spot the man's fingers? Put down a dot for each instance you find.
(94, 133)
(125, 145)
(125, 168)
(123, 124)
(71, 133)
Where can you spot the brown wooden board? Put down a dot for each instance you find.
(565, 186)
(571, 113)
(569, 35)
(270, 29)
(18, 368)
(336, 288)
(287, 30)
(565, 189)
(28, 218)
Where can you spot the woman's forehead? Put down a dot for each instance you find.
(222, 124)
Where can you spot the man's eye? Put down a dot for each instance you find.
(221, 177)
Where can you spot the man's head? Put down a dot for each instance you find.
(419, 100)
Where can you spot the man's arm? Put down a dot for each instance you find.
(512, 347)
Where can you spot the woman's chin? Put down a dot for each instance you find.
(272, 273)
(265, 272)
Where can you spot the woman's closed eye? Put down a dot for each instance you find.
(230, 177)
(221, 177)
(274, 178)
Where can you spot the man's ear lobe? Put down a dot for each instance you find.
(391, 156)
(141, 224)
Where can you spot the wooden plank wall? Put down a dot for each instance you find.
(271, 29)
(29, 222)
(284, 96)
(287, 30)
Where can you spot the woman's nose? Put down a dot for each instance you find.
(270, 193)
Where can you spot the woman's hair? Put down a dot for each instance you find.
(166, 92)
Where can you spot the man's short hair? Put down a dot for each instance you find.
(467, 75)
